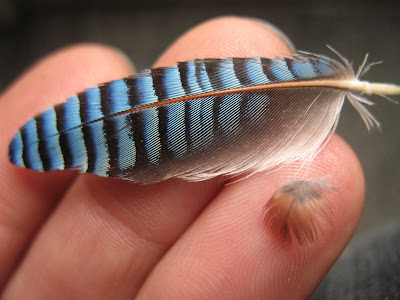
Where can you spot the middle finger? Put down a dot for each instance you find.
(107, 235)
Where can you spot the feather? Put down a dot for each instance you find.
(296, 210)
(197, 120)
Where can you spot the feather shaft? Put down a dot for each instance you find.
(356, 86)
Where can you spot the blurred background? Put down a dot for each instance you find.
(143, 29)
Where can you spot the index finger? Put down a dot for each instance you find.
(26, 196)
(127, 227)
(228, 253)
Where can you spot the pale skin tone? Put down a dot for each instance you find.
(70, 236)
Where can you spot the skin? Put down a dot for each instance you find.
(70, 236)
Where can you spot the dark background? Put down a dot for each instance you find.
(31, 29)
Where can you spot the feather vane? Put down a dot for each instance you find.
(197, 120)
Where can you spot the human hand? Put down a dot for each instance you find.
(69, 236)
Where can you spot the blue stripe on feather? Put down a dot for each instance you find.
(78, 151)
(281, 71)
(254, 71)
(118, 96)
(74, 136)
(52, 143)
(202, 77)
(172, 84)
(303, 69)
(71, 113)
(227, 75)
(191, 78)
(145, 90)
(31, 149)
(93, 104)
(100, 150)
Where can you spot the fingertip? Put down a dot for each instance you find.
(314, 234)
(348, 178)
(49, 81)
(331, 192)
(91, 55)
(227, 36)
(277, 31)
(229, 235)
(56, 77)
(64, 72)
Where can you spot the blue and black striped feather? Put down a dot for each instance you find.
(130, 128)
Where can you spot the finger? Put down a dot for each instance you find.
(228, 253)
(27, 197)
(217, 38)
(122, 229)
